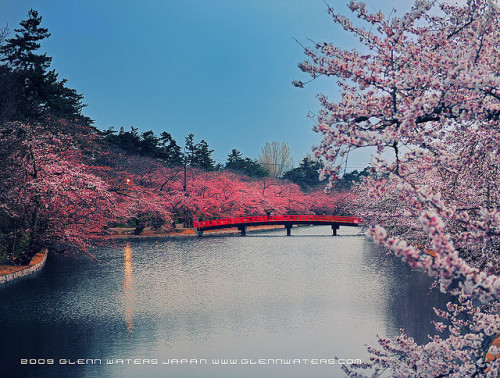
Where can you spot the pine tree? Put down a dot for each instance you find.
(198, 155)
(306, 175)
(202, 157)
(169, 150)
(20, 51)
(236, 162)
(42, 93)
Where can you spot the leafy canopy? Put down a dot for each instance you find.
(237, 163)
(35, 91)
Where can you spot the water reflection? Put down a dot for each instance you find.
(264, 296)
(128, 288)
(408, 297)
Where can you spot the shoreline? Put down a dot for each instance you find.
(119, 233)
(10, 273)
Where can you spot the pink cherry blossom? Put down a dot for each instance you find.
(424, 87)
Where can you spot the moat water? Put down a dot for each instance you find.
(217, 306)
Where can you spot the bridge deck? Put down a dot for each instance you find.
(286, 220)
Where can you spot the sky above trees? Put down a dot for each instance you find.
(219, 69)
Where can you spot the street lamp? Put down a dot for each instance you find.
(185, 170)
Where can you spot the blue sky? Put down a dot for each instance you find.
(221, 69)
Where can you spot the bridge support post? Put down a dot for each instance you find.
(243, 230)
(335, 227)
(288, 227)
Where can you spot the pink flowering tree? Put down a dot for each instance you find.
(49, 197)
(424, 89)
(135, 180)
(62, 188)
(211, 195)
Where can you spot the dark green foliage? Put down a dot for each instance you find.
(163, 148)
(306, 175)
(235, 162)
(199, 155)
(10, 93)
(148, 144)
(128, 140)
(168, 150)
(351, 178)
(20, 51)
(38, 92)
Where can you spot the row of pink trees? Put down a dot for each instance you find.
(216, 194)
(426, 87)
(62, 187)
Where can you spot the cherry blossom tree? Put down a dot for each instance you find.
(49, 198)
(425, 86)
(228, 194)
(57, 194)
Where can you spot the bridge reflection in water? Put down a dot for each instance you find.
(287, 220)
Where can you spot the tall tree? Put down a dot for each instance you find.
(199, 155)
(203, 157)
(148, 144)
(306, 175)
(276, 158)
(20, 51)
(43, 93)
(428, 82)
(237, 163)
(163, 147)
(169, 151)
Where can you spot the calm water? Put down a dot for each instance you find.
(161, 301)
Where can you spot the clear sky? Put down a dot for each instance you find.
(221, 69)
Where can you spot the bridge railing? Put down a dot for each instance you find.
(277, 219)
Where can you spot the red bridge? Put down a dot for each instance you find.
(287, 220)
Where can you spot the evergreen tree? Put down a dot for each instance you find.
(42, 93)
(128, 140)
(163, 148)
(20, 51)
(202, 158)
(351, 178)
(236, 162)
(199, 155)
(148, 144)
(306, 175)
(169, 151)
(189, 149)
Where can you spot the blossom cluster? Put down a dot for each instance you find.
(424, 88)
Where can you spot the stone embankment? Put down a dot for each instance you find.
(10, 273)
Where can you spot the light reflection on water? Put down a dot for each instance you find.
(128, 288)
(261, 296)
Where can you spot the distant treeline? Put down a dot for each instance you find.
(164, 148)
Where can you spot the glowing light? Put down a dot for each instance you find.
(128, 288)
